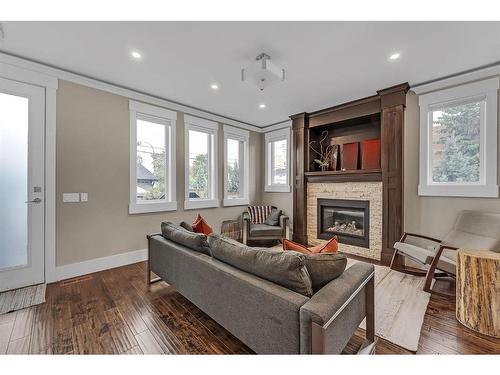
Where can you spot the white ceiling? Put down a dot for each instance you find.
(326, 63)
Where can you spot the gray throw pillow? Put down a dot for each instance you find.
(324, 268)
(286, 268)
(273, 218)
(186, 226)
(177, 234)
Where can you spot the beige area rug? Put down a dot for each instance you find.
(17, 299)
(400, 305)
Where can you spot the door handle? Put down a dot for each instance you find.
(36, 200)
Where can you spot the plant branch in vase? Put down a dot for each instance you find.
(324, 154)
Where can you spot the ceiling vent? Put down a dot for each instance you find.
(263, 72)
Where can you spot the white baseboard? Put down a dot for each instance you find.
(100, 264)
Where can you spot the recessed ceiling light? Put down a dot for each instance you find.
(136, 55)
(394, 56)
(262, 106)
(214, 86)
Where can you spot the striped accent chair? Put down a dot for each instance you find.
(254, 227)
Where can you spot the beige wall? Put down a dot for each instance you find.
(93, 157)
(284, 201)
(433, 216)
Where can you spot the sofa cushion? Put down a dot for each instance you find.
(324, 268)
(176, 233)
(287, 269)
(186, 226)
(265, 230)
(273, 218)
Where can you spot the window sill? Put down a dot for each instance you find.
(236, 202)
(277, 189)
(142, 208)
(472, 191)
(200, 203)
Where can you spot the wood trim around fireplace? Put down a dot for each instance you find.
(389, 104)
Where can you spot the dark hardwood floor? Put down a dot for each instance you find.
(113, 312)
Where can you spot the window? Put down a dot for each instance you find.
(235, 166)
(278, 160)
(201, 165)
(152, 159)
(458, 141)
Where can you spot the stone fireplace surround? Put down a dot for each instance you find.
(370, 191)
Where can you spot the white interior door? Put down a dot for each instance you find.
(22, 112)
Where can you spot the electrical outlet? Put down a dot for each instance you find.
(84, 197)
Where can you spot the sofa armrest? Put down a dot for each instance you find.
(332, 315)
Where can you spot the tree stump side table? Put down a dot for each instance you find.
(478, 291)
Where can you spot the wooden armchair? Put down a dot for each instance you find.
(472, 230)
(263, 231)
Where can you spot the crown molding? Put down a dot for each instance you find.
(277, 126)
(457, 79)
(58, 73)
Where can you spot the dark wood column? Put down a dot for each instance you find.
(300, 165)
(392, 102)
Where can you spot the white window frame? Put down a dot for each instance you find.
(168, 119)
(244, 137)
(211, 128)
(277, 135)
(486, 90)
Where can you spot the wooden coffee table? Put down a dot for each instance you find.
(478, 291)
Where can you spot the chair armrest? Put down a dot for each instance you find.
(435, 258)
(246, 226)
(338, 308)
(406, 234)
(447, 247)
(284, 220)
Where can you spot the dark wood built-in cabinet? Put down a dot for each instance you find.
(380, 117)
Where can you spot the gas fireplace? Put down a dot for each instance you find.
(347, 219)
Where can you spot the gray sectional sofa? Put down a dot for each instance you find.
(268, 317)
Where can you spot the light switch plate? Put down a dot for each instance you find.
(71, 197)
(84, 197)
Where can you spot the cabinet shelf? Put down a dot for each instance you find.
(344, 176)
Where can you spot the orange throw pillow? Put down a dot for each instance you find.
(290, 245)
(329, 247)
(201, 226)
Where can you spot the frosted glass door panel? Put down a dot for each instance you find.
(13, 181)
(22, 196)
